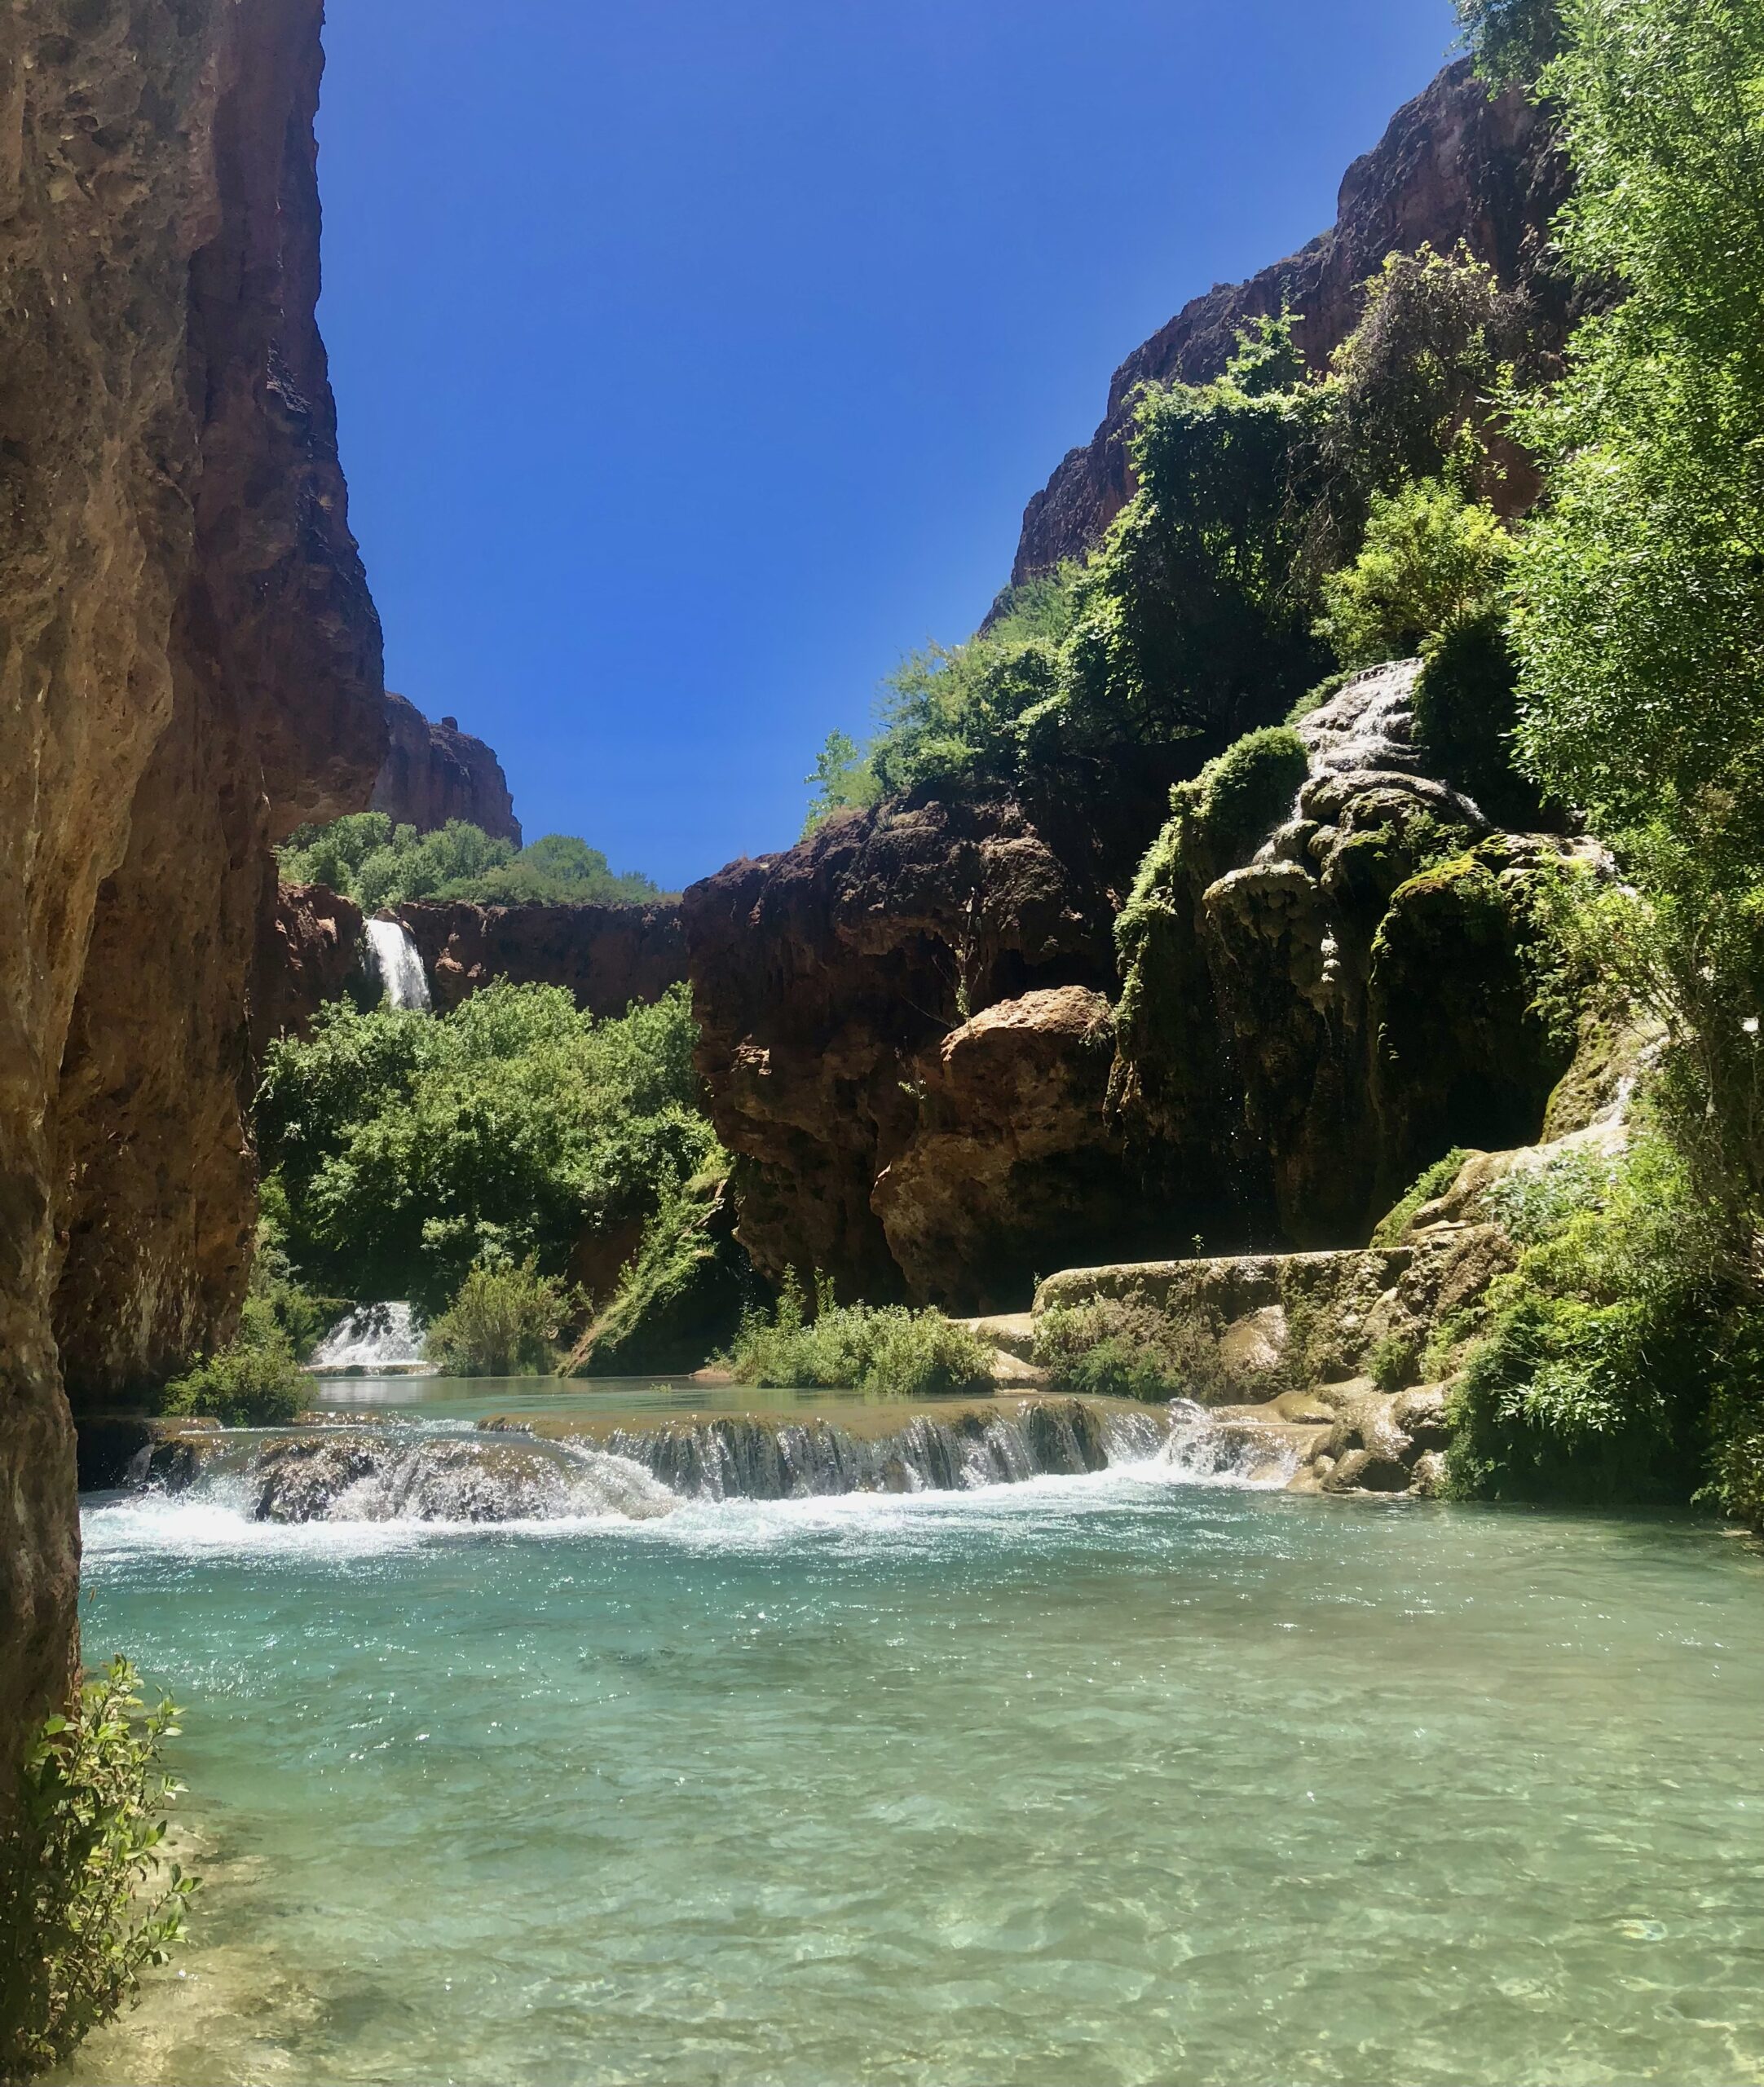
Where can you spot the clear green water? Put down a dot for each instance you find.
(471, 1398)
(1075, 1781)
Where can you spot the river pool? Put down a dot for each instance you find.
(1080, 1779)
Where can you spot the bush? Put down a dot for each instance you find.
(409, 1147)
(1131, 1349)
(1466, 711)
(253, 1381)
(80, 1913)
(504, 1321)
(888, 1349)
(1432, 563)
(364, 856)
(1594, 1375)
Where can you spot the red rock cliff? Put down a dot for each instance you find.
(433, 773)
(1453, 165)
(190, 666)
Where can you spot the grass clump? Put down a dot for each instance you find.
(83, 1911)
(1128, 1348)
(1392, 1362)
(504, 1321)
(890, 1348)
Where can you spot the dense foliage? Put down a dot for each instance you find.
(1640, 624)
(1196, 618)
(504, 1321)
(254, 1381)
(83, 1910)
(364, 856)
(409, 1148)
(883, 1348)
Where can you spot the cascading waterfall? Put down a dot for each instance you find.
(394, 958)
(501, 1473)
(374, 1338)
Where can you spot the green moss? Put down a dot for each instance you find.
(1244, 791)
(1431, 1183)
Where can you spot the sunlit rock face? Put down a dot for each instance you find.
(906, 1042)
(192, 667)
(434, 772)
(1454, 165)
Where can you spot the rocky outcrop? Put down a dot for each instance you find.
(1453, 165)
(433, 773)
(860, 994)
(607, 955)
(1302, 1031)
(1010, 1151)
(681, 1304)
(192, 667)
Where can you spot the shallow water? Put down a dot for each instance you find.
(1074, 1781)
(640, 1398)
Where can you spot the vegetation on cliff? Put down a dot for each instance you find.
(365, 857)
(408, 1149)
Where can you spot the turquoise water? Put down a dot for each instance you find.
(1073, 1781)
(471, 1398)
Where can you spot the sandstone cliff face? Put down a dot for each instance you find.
(880, 1004)
(191, 665)
(435, 772)
(1453, 165)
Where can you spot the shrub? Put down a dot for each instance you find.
(1131, 1349)
(504, 1321)
(253, 1381)
(1592, 1378)
(887, 1349)
(1432, 563)
(81, 1913)
(1467, 710)
(1431, 1183)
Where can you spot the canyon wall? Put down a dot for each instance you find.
(1453, 165)
(191, 667)
(607, 955)
(435, 772)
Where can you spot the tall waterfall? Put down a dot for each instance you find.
(393, 958)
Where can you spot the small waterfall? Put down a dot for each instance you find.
(374, 1340)
(737, 1457)
(393, 958)
(501, 1473)
(393, 1475)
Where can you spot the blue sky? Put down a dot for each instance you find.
(695, 359)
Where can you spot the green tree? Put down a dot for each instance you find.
(1432, 564)
(366, 858)
(410, 1147)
